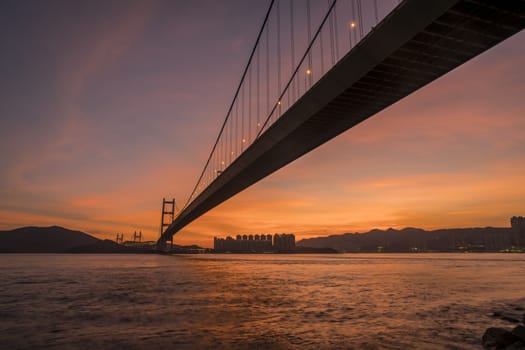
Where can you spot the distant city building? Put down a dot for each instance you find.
(143, 244)
(283, 242)
(517, 224)
(258, 243)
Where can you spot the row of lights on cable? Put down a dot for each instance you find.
(308, 72)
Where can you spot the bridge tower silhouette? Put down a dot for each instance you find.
(167, 216)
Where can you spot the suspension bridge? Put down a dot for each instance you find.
(318, 68)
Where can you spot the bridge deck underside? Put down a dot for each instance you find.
(416, 44)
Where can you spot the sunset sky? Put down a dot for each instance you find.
(106, 107)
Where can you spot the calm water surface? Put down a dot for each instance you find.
(396, 301)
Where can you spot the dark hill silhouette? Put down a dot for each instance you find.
(53, 239)
(56, 239)
(414, 239)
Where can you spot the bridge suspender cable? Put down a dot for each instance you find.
(321, 49)
(309, 29)
(268, 70)
(249, 138)
(336, 33)
(258, 87)
(231, 105)
(331, 31)
(293, 51)
(361, 23)
(376, 12)
(305, 55)
(278, 57)
(351, 33)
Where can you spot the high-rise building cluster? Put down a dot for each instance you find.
(259, 243)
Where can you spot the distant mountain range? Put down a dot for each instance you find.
(418, 240)
(55, 239)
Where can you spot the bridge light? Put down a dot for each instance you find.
(243, 140)
(308, 71)
(232, 153)
(258, 124)
(222, 162)
(279, 102)
(352, 24)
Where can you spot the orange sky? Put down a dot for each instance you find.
(104, 119)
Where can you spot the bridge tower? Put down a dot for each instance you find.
(168, 209)
(120, 238)
(137, 237)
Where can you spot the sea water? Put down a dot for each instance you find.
(265, 301)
